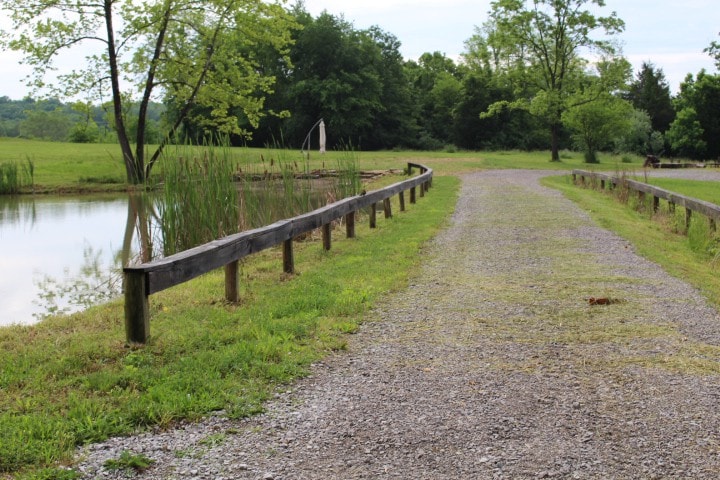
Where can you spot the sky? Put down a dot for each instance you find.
(670, 34)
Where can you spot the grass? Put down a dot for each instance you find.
(700, 189)
(657, 237)
(71, 167)
(200, 201)
(71, 380)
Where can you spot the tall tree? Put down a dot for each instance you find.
(545, 40)
(184, 49)
(650, 92)
(696, 130)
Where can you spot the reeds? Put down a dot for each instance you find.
(13, 177)
(200, 201)
(349, 182)
(278, 188)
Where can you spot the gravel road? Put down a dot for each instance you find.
(492, 364)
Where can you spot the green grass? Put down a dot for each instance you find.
(700, 189)
(87, 167)
(657, 237)
(71, 380)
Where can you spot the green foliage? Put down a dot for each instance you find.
(129, 461)
(15, 176)
(597, 123)
(636, 137)
(686, 135)
(199, 58)
(696, 130)
(650, 93)
(200, 199)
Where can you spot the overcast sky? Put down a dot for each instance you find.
(669, 33)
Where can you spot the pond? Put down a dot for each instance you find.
(62, 254)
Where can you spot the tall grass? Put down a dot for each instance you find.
(14, 177)
(200, 200)
(281, 187)
(348, 167)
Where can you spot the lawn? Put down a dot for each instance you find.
(84, 167)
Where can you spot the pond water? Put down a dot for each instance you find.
(61, 253)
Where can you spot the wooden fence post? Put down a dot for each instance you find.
(688, 217)
(137, 308)
(401, 196)
(656, 204)
(387, 208)
(288, 257)
(373, 215)
(327, 236)
(422, 189)
(350, 225)
(231, 282)
(412, 195)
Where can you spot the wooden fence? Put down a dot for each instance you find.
(710, 210)
(143, 280)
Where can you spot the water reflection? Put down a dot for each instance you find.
(61, 254)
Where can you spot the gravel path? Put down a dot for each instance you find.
(492, 364)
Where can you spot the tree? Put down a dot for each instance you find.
(183, 49)
(46, 125)
(436, 86)
(686, 135)
(85, 130)
(597, 123)
(650, 92)
(543, 40)
(336, 75)
(714, 51)
(700, 96)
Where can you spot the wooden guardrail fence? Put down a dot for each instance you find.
(145, 279)
(710, 210)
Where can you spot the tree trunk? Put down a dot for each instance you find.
(555, 142)
(134, 174)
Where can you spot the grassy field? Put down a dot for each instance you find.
(702, 190)
(83, 167)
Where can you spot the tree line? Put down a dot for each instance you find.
(264, 74)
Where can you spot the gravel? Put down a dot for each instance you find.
(491, 364)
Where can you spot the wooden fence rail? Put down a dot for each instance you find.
(710, 210)
(145, 279)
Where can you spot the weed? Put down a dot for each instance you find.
(128, 461)
(214, 440)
